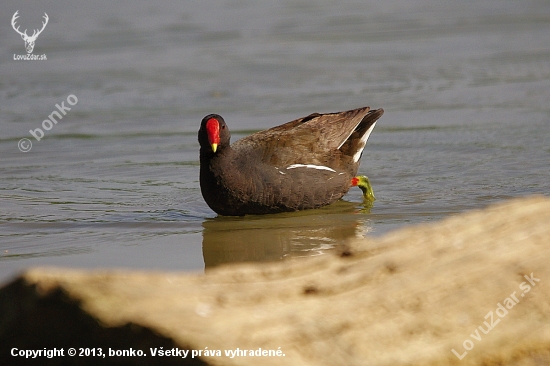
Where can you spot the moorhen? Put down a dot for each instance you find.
(306, 163)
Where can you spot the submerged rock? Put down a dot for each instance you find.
(473, 289)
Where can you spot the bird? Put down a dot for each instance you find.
(303, 164)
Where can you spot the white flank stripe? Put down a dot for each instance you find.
(319, 167)
(362, 143)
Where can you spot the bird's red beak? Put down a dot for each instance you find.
(213, 131)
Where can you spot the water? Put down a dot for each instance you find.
(465, 87)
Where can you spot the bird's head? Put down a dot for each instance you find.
(213, 133)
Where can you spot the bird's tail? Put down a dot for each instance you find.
(356, 142)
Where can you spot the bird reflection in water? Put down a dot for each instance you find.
(276, 237)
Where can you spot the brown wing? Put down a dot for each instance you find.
(307, 140)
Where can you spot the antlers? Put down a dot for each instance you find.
(15, 16)
(36, 31)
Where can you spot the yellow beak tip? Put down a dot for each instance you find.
(214, 147)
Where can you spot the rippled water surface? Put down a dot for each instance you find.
(465, 87)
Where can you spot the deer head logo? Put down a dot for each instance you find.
(29, 41)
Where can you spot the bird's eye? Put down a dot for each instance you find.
(223, 127)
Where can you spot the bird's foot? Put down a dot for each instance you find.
(362, 181)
